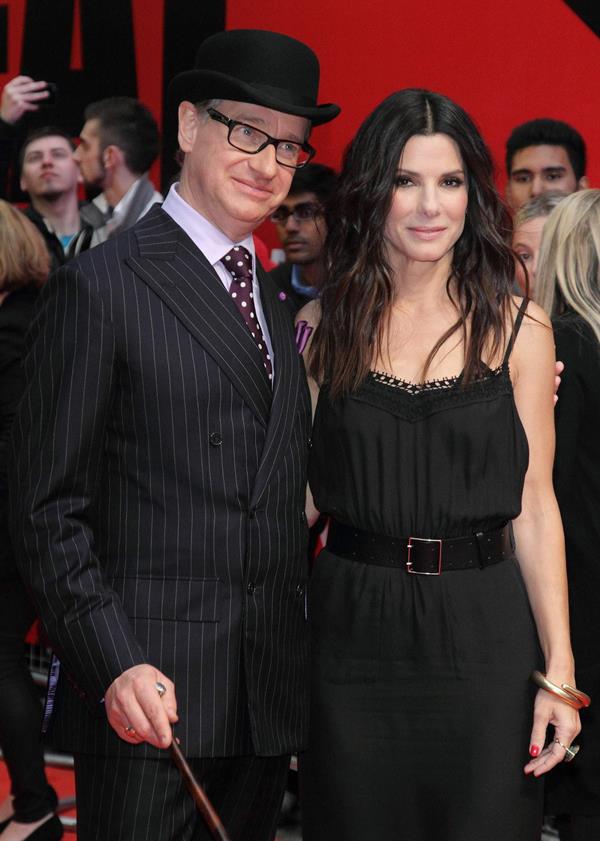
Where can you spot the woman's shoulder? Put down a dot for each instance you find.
(532, 314)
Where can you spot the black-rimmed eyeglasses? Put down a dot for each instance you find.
(252, 140)
(301, 212)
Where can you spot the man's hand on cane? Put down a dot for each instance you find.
(139, 710)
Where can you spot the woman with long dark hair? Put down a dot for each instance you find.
(433, 431)
(569, 291)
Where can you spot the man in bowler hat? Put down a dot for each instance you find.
(160, 453)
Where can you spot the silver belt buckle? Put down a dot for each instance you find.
(409, 546)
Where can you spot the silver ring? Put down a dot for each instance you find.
(130, 730)
(160, 688)
(570, 752)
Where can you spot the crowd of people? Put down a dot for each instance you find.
(176, 422)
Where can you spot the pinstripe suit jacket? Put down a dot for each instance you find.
(160, 513)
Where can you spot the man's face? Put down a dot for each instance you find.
(234, 190)
(49, 170)
(88, 155)
(537, 169)
(302, 238)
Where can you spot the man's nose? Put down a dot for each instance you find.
(265, 162)
(291, 223)
(537, 186)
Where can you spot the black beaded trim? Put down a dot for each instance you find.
(414, 401)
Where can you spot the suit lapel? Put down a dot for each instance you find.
(289, 380)
(180, 275)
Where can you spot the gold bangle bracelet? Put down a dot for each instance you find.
(569, 694)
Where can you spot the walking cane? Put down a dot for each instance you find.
(203, 804)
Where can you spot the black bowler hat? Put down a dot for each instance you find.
(253, 65)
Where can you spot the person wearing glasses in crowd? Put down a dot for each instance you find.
(160, 453)
(431, 716)
(300, 224)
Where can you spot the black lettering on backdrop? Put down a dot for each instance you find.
(186, 25)
(3, 39)
(588, 11)
(108, 49)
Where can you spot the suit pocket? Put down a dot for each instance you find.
(175, 600)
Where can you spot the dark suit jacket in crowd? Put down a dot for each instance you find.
(160, 516)
(16, 313)
(282, 275)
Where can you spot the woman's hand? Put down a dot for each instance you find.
(550, 710)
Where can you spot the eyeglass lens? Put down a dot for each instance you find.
(302, 212)
(249, 139)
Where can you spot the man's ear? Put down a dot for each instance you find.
(112, 157)
(188, 125)
(583, 183)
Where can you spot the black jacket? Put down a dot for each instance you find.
(161, 512)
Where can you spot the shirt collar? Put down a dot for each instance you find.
(213, 243)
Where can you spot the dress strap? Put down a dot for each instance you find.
(515, 330)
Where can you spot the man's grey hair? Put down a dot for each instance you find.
(202, 107)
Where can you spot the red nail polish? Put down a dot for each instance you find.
(534, 750)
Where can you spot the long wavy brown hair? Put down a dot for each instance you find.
(359, 292)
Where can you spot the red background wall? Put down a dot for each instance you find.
(505, 62)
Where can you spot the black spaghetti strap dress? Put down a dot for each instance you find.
(421, 703)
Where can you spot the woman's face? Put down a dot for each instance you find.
(526, 241)
(429, 203)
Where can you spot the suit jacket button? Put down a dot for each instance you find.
(300, 590)
(251, 588)
(215, 439)
(252, 513)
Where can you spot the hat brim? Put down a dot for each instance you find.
(199, 85)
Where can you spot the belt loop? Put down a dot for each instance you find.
(478, 536)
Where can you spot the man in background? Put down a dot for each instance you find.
(50, 177)
(118, 144)
(301, 227)
(544, 155)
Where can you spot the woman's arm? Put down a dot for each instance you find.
(306, 322)
(539, 536)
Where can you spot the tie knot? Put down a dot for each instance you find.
(238, 263)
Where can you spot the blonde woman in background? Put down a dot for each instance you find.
(568, 288)
(527, 236)
(29, 812)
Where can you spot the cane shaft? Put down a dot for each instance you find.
(202, 802)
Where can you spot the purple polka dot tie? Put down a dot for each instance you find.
(238, 263)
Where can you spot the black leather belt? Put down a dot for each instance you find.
(419, 555)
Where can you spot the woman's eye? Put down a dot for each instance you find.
(402, 181)
(453, 182)
(524, 255)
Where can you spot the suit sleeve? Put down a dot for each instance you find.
(57, 446)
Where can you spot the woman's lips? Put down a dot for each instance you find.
(427, 233)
